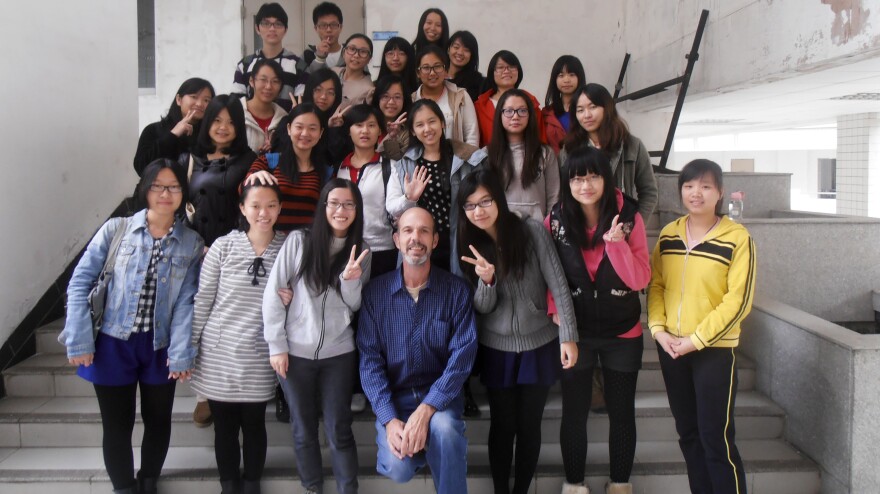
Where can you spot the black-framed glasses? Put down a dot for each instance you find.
(328, 25)
(500, 69)
(174, 189)
(485, 203)
(268, 24)
(427, 69)
(335, 205)
(509, 112)
(361, 52)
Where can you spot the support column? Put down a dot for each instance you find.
(858, 164)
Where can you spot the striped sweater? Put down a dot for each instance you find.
(704, 292)
(233, 358)
(298, 199)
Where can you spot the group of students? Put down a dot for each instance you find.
(267, 211)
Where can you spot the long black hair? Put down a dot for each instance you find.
(469, 41)
(287, 161)
(191, 86)
(572, 65)
(511, 252)
(232, 105)
(612, 131)
(410, 81)
(149, 176)
(500, 155)
(583, 161)
(421, 40)
(317, 78)
(383, 85)
(243, 224)
(319, 270)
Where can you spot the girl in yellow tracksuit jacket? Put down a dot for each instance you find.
(701, 289)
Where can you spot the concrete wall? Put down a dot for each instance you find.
(826, 378)
(765, 192)
(71, 125)
(196, 38)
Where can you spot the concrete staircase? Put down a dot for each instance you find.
(50, 440)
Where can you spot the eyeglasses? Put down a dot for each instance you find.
(328, 25)
(387, 97)
(361, 52)
(174, 189)
(394, 53)
(268, 24)
(318, 91)
(265, 81)
(427, 69)
(335, 205)
(485, 203)
(500, 69)
(509, 112)
(581, 181)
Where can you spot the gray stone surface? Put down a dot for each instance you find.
(866, 424)
(765, 192)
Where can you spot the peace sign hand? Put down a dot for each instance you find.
(484, 269)
(413, 188)
(294, 100)
(336, 120)
(353, 268)
(394, 127)
(184, 127)
(615, 234)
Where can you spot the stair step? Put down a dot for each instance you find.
(67, 422)
(772, 466)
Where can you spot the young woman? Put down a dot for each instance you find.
(391, 99)
(566, 76)
(464, 62)
(504, 73)
(520, 347)
(433, 30)
(144, 341)
(357, 86)
(300, 170)
(702, 288)
(600, 239)
(527, 169)
(216, 167)
(454, 102)
(311, 341)
(176, 132)
(232, 366)
(262, 114)
(429, 174)
(598, 125)
(399, 58)
(324, 90)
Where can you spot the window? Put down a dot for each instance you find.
(827, 178)
(146, 44)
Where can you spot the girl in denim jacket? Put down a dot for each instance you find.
(145, 337)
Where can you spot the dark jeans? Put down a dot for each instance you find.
(250, 420)
(118, 404)
(313, 388)
(516, 414)
(702, 392)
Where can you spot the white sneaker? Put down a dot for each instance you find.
(358, 403)
(574, 488)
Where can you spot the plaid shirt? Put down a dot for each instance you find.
(143, 321)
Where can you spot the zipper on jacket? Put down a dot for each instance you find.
(323, 318)
(687, 253)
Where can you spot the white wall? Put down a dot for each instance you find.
(70, 104)
(195, 38)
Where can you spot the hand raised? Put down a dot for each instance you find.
(294, 100)
(484, 269)
(615, 233)
(337, 120)
(353, 268)
(395, 126)
(184, 127)
(413, 188)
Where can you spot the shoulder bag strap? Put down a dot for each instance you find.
(110, 263)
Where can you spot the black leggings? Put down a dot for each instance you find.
(620, 393)
(229, 419)
(516, 413)
(117, 404)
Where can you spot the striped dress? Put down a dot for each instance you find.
(233, 358)
(298, 199)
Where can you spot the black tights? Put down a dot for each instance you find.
(250, 419)
(620, 393)
(117, 404)
(515, 414)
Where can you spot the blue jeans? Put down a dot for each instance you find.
(313, 387)
(445, 450)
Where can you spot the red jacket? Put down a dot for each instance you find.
(553, 129)
(486, 115)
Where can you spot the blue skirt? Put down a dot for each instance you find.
(122, 362)
(540, 366)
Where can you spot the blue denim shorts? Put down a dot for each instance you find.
(123, 362)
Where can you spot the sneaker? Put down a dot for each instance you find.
(202, 414)
(358, 403)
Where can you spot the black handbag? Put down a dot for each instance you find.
(98, 295)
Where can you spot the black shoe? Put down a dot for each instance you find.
(471, 409)
(282, 412)
(147, 485)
